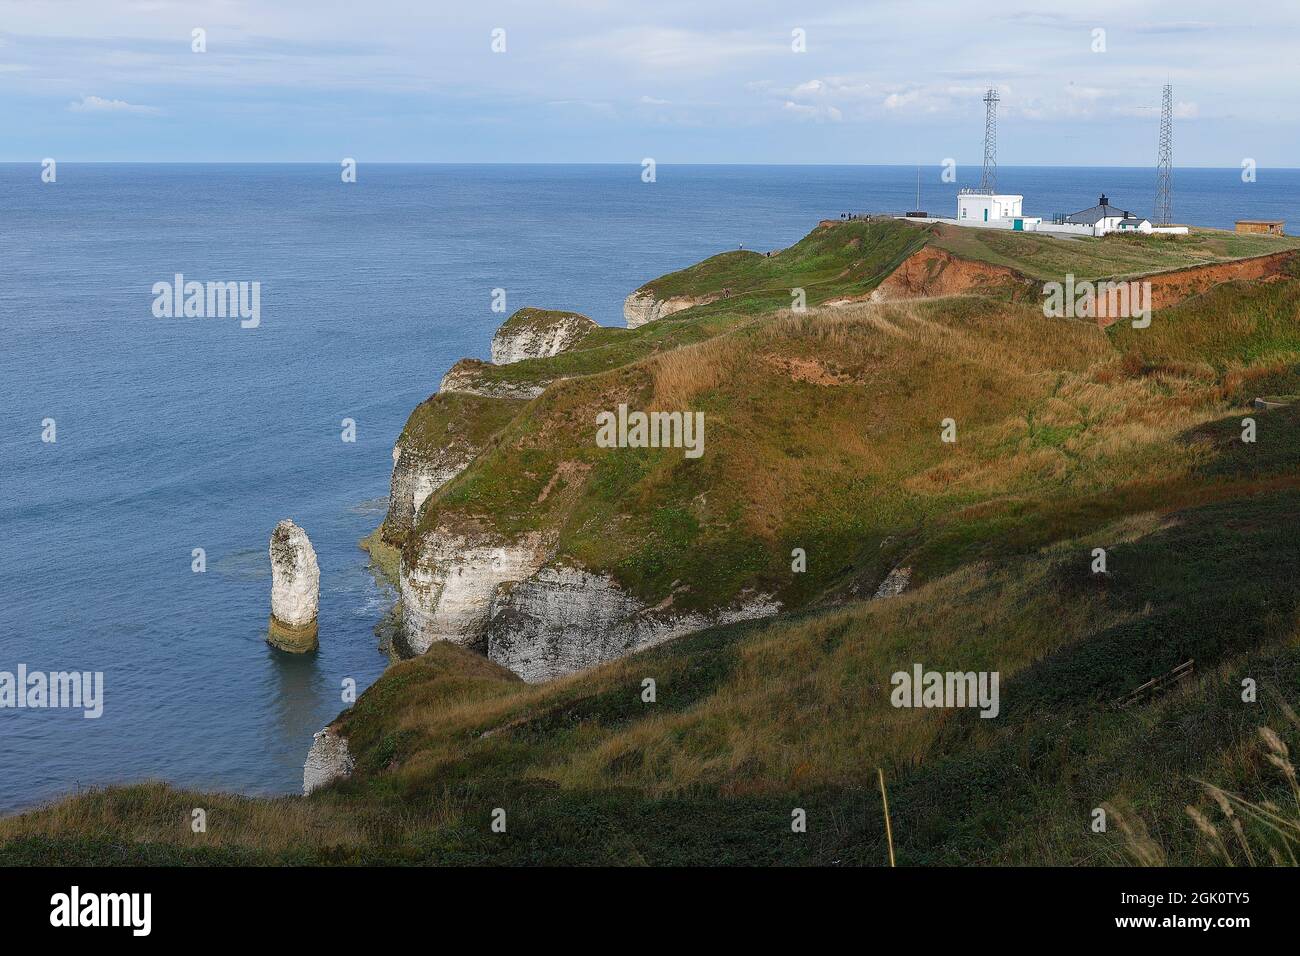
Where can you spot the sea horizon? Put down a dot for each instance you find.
(620, 163)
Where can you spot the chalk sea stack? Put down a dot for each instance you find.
(295, 589)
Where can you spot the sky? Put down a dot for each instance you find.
(705, 81)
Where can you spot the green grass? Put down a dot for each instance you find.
(841, 465)
(1236, 322)
(822, 432)
(440, 419)
(1048, 258)
(842, 258)
(530, 318)
(608, 348)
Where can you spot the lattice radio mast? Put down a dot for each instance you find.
(989, 179)
(1165, 161)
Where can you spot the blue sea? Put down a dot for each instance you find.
(177, 434)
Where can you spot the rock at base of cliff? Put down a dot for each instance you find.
(295, 640)
(328, 761)
(384, 557)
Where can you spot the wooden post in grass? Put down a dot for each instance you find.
(889, 832)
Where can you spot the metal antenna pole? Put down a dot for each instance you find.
(1165, 161)
(989, 179)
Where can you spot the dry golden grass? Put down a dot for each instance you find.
(682, 374)
(157, 813)
(790, 697)
(1043, 407)
(977, 366)
(1241, 378)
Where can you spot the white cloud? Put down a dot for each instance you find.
(807, 111)
(661, 49)
(830, 87)
(97, 104)
(896, 101)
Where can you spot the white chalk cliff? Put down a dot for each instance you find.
(561, 620)
(534, 333)
(465, 377)
(642, 307)
(446, 592)
(418, 473)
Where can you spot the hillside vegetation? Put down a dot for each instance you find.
(824, 432)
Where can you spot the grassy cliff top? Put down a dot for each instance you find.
(841, 258)
(456, 417)
(1048, 258)
(844, 258)
(530, 318)
(849, 260)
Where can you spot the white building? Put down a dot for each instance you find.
(993, 211)
(976, 207)
(1134, 224)
(1104, 218)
